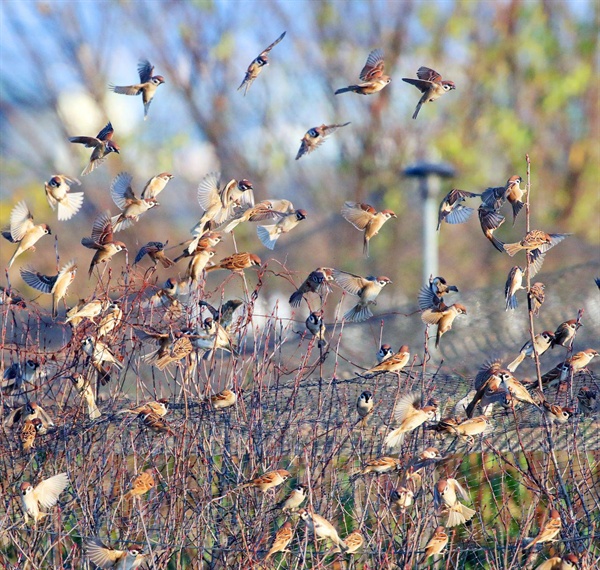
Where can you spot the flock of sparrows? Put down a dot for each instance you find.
(186, 332)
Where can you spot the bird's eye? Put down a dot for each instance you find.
(313, 133)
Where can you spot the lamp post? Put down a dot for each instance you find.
(428, 176)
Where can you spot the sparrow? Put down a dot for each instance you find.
(410, 415)
(141, 484)
(9, 298)
(490, 220)
(45, 494)
(514, 194)
(446, 493)
(86, 391)
(17, 374)
(200, 242)
(146, 87)
(364, 405)
(111, 320)
(536, 297)
(167, 297)
(366, 219)
(106, 557)
(225, 313)
(155, 423)
(550, 530)
(429, 83)
(282, 538)
(125, 199)
(372, 76)
(102, 241)
(394, 363)
(429, 456)
(269, 480)
(554, 412)
(213, 336)
(467, 428)
(536, 243)
(102, 144)
(451, 209)
(58, 194)
(588, 400)
(568, 562)
(86, 311)
(365, 288)
(237, 262)
(155, 251)
(315, 137)
(29, 411)
(155, 185)
(99, 353)
(543, 341)
(56, 285)
(431, 296)
(256, 66)
(28, 434)
(23, 231)
(575, 363)
(322, 528)
(159, 407)
(180, 347)
(385, 351)
(565, 332)
(443, 317)
(224, 399)
(316, 282)
(353, 542)
(402, 497)
(436, 544)
(293, 501)
(316, 327)
(247, 211)
(269, 235)
(379, 466)
(514, 283)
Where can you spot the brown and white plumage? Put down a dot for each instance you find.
(56, 285)
(514, 283)
(365, 288)
(443, 317)
(106, 557)
(102, 241)
(447, 493)
(322, 528)
(372, 76)
(155, 250)
(102, 144)
(451, 208)
(130, 205)
(282, 538)
(366, 219)
(23, 231)
(44, 495)
(267, 481)
(237, 262)
(549, 530)
(430, 84)
(316, 282)
(410, 415)
(59, 195)
(394, 363)
(141, 484)
(315, 137)
(269, 235)
(257, 64)
(224, 399)
(155, 185)
(566, 562)
(436, 544)
(353, 542)
(86, 391)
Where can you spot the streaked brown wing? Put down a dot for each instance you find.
(429, 74)
(102, 230)
(420, 84)
(374, 66)
(145, 70)
(266, 51)
(349, 282)
(127, 89)
(106, 133)
(89, 142)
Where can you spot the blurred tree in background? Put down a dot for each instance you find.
(527, 82)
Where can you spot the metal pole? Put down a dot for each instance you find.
(429, 191)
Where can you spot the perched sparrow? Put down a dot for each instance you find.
(380, 465)
(490, 220)
(269, 235)
(132, 208)
(316, 282)
(316, 327)
(294, 499)
(536, 297)
(372, 76)
(431, 296)
(445, 492)
(542, 343)
(237, 262)
(58, 194)
(436, 544)
(102, 145)
(429, 456)
(155, 251)
(394, 363)
(56, 285)
(513, 194)
(568, 562)
(550, 529)
(536, 243)
(23, 231)
(365, 288)
(366, 219)
(256, 66)
(177, 350)
(17, 374)
(402, 497)
(155, 185)
(282, 538)
(141, 484)
(200, 242)
(213, 336)
(9, 298)
(429, 83)
(364, 404)
(86, 311)
(102, 241)
(514, 283)
(223, 399)
(99, 353)
(451, 209)
(106, 557)
(28, 434)
(198, 264)
(588, 400)
(315, 137)
(45, 494)
(565, 332)
(159, 407)
(29, 411)
(410, 415)
(555, 413)
(353, 542)
(155, 423)
(322, 528)
(86, 391)
(147, 85)
(111, 320)
(467, 428)
(167, 298)
(443, 317)
(575, 363)
(269, 480)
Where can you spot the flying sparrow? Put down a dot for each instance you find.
(146, 87)
(536, 297)
(353, 542)
(155, 251)
(366, 219)
(575, 363)
(514, 194)
(237, 262)
(293, 501)
(45, 494)
(565, 332)
(536, 243)
(490, 220)
(155, 423)
(225, 313)
(102, 241)
(316, 282)
(446, 493)
(429, 83)
(155, 185)
(269, 235)
(394, 363)
(514, 283)
(443, 317)
(431, 295)
(256, 66)
(106, 557)
(467, 428)
(379, 466)
(282, 538)
(364, 405)
(436, 544)
(542, 343)
(99, 353)
(56, 285)
(315, 137)
(322, 528)
(102, 145)
(132, 208)
(141, 484)
(23, 231)
(549, 531)
(17, 374)
(588, 400)
(372, 76)
(316, 327)
(365, 288)
(199, 243)
(86, 311)
(568, 562)
(451, 208)
(86, 391)
(198, 264)
(180, 347)
(111, 320)
(29, 411)
(224, 399)
(58, 194)
(410, 415)
(269, 480)
(247, 211)
(212, 336)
